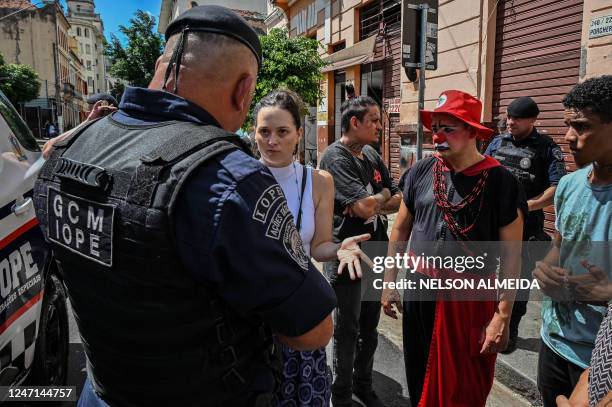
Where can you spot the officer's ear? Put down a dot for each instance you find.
(243, 93)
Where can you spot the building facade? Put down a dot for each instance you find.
(40, 37)
(361, 42)
(496, 50)
(88, 29)
(254, 11)
(275, 17)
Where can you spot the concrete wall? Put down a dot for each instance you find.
(88, 19)
(28, 39)
(275, 18)
(259, 6)
(596, 56)
(466, 44)
(97, 72)
(40, 38)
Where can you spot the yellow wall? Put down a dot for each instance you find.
(466, 39)
(597, 52)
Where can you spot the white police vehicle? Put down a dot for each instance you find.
(33, 314)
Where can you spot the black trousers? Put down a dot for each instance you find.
(556, 376)
(355, 337)
(529, 257)
(417, 328)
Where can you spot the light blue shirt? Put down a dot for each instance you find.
(584, 220)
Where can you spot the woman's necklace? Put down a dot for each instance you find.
(297, 185)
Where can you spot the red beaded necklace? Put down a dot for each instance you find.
(448, 208)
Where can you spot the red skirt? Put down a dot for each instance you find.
(457, 374)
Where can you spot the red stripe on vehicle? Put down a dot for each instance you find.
(18, 232)
(21, 311)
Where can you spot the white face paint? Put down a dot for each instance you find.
(441, 146)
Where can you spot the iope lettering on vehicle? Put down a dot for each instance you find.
(21, 257)
(21, 282)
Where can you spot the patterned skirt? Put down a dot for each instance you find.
(306, 379)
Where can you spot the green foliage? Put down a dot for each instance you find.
(19, 82)
(135, 63)
(117, 90)
(292, 63)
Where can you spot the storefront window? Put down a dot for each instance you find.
(372, 83)
(372, 86)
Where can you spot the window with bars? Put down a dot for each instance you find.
(339, 46)
(387, 13)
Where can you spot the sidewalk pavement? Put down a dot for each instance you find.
(512, 388)
(515, 374)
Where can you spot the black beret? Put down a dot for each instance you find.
(217, 20)
(102, 96)
(523, 107)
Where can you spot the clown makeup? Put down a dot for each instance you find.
(450, 135)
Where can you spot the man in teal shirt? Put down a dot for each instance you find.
(573, 311)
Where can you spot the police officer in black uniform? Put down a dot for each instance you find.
(177, 247)
(537, 161)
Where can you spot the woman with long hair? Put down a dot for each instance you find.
(306, 378)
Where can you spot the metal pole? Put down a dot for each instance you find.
(424, 10)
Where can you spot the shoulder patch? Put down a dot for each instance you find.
(557, 153)
(271, 209)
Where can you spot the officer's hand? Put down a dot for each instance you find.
(100, 109)
(553, 281)
(50, 145)
(350, 255)
(391, 297)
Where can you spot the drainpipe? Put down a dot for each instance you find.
(58, 98)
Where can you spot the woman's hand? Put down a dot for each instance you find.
(350, 255)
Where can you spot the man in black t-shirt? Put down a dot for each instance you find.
(456, 195)
(364, 193)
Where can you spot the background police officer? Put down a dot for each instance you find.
(178, 249)
(537, 161)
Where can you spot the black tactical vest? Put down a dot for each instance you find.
(153, 335)
(528, 163)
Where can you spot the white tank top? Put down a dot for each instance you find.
(290, 180)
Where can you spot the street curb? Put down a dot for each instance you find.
(512, 378)
(505, 373)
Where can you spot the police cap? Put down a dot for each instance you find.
(523, 107)
(217, 20)
(96, 97)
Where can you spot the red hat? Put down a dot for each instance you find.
(461, 105)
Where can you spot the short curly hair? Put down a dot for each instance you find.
(594, 94)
